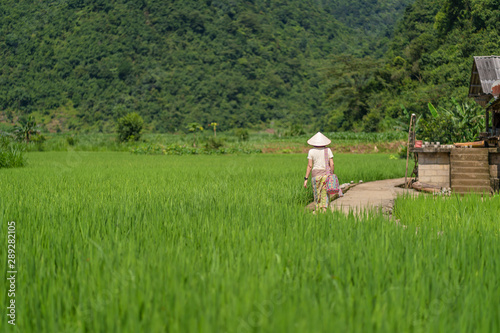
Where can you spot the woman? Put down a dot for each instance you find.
(317, 165)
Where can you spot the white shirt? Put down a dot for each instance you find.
(318, 157)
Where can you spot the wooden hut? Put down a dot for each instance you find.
(486, 74)
(467, 169)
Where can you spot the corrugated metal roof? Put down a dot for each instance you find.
(488, 69)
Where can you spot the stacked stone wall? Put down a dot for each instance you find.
(434, 168)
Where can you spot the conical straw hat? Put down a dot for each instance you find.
(319, 140)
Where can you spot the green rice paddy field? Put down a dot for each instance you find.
(115, 242)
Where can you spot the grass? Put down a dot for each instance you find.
(115, 242)
(11, 153)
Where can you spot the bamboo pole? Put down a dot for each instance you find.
(408, 149)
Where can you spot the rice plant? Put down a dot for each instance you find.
(115, 242)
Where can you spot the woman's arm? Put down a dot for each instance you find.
(308, 171)
(332, 166)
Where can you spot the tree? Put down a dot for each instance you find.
(194, 127)
(214, 125)
(353, 83)
(243, 63)
(26, 128)
(129, 127)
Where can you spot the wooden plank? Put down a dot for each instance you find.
(465, 167)
(426, 187)
(470, 164)
(468, 175)
(469, 171)
(470, 182)
(463, 150)
(469, 151)
(473, 189)
(473, 144)
(469, 157)
(430, 150)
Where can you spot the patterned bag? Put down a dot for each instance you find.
(332, 181)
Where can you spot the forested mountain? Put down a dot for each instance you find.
(373, 20)
(240, 63)
(429, 60)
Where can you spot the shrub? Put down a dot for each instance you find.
(129, 127)
(295, 130)
(11, 152)
(71, 140)
(214, 143)
(241, 134)
(39, 140)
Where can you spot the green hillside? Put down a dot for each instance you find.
(373, 21)
(81, 63)
(429, 60)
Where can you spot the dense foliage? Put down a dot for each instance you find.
(372, 19)
(26, 128)
(11, 152)
(81, 63)
(129, 127)
(176, 149)
(76, 63)
(461, 123)
(429, 60)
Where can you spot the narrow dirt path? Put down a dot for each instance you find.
(379, 194)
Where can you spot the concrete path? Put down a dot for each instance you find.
(379, 194)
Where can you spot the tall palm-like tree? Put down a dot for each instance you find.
(214, 125)
(194, 127)
(26, 128)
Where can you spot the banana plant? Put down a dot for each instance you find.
(464, 121)
(214, 126)
(194, 127)
(432, 110)
(26, 128)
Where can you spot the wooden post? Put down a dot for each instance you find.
(487, 118)
(408, 148)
